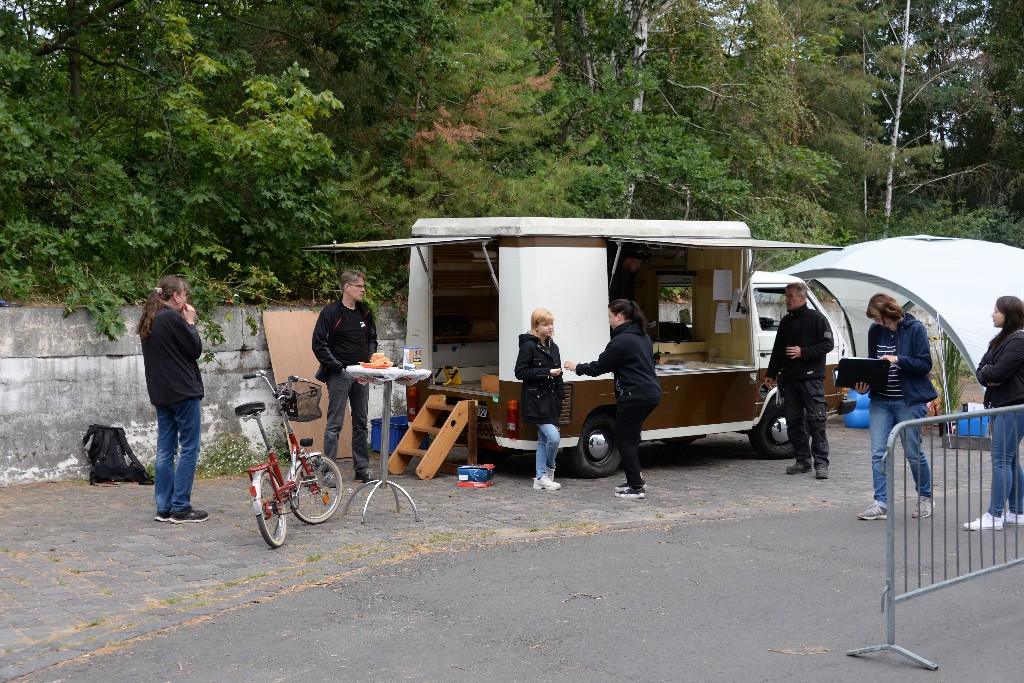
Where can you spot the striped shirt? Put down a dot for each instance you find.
(887, 347)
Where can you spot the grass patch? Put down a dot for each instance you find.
(229, 455)
(316, 557)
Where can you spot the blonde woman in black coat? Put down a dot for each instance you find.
(539, 367)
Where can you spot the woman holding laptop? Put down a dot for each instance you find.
(902, 340)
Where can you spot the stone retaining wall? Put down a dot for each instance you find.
(57, 376)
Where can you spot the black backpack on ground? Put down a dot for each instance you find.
(111, 457)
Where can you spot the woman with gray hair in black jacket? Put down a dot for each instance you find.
(630, 357)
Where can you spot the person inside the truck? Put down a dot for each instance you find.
(629, 356)
(901, 339)
(801, 344)
(539, 367)
(624, 281)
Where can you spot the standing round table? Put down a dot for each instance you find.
(386, 377)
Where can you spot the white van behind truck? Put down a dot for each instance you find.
(473, 283)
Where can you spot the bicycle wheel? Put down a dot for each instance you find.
(319, 494)
(273, 525)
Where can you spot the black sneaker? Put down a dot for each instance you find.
(190, 515)
(624, 486)
(162, 517)
(821, 472)
(363, 476)
(637, 493)
(798, 468)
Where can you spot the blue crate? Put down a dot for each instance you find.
(972, 426)
(399, 426)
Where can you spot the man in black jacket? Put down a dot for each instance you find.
(345, 334)
(803, 340)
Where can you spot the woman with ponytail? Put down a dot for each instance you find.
(629, 355)
(170, 351)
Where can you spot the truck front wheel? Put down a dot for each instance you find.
(595, 455)
(770, 437)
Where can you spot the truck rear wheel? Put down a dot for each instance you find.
(770, 437)
(595, 455)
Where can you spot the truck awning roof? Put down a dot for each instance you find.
(720, 243)
(403, 243)
(703, 242)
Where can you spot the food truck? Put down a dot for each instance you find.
(473, 283)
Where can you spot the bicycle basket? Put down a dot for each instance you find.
(304, 403)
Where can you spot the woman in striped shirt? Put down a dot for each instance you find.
(902, 340)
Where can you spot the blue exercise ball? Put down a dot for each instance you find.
(859, 418)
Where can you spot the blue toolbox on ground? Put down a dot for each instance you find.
(476, 476)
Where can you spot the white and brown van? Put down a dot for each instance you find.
(473, 283)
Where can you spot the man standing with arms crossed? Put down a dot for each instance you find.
(345, 334)
(803, 341)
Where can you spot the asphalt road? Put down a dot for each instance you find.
(729, 571)
(765, 598)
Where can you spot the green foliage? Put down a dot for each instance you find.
(954, 370)
(216, 140)
(229, 455)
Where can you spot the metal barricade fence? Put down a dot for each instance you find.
(926, 554)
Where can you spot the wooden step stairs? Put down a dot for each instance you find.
(445, 423)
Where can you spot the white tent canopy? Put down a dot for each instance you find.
(957, 281)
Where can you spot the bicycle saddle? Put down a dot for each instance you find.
(246, 409)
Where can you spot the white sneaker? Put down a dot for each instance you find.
(546, 483)
(1010, 519)
(985, 523)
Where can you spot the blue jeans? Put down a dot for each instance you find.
(1007, 476)
(177, 424)
(883, 415)
(342, 388)
(547, 448)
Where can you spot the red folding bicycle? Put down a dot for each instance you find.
(313, 485)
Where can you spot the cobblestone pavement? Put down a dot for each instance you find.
(86, 566)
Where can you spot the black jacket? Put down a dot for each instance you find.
(630, 356)
(326, 346)
(542, 394)
(170, 356)
(809, 329)
(1001, 372)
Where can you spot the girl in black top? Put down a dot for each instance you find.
(630, 357)
(540, 368)
(1001, 372)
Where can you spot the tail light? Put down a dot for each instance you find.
(512, 420)
(412, 402)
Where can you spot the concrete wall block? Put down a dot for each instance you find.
(57, 376)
